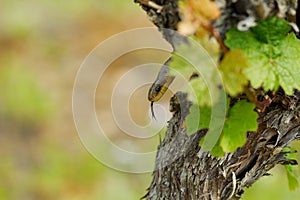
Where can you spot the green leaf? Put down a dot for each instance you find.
(271, 30)
(241, 119)
(192, 120)
(198, 86)
(198, 118)
(232, 67)
(288, 64)
(206, 91)
(291, 170)
(236, 39)
(191, 57)
(180, 65)
(217, 151)
(292, 176)
(273, 57)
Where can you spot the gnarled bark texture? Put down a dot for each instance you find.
(184, 171)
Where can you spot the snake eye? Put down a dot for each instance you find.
(157, 88)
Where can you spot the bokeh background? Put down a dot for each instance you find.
(42, 45)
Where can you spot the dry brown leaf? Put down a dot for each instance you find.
(196, 16)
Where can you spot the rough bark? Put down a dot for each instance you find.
(184, 171)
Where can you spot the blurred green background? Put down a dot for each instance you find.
(42, 44)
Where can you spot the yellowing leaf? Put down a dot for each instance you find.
(232, 67)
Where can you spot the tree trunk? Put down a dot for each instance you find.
(184, 171)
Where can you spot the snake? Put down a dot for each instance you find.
(160, 86)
